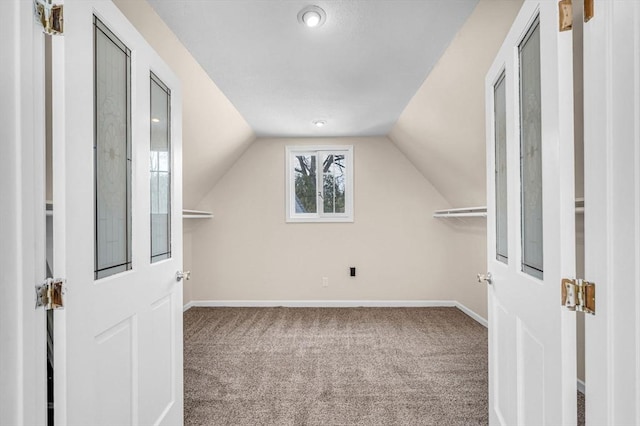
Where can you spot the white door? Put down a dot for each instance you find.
(117, 176)
(612, 212)
(530, 222)
(22, 217)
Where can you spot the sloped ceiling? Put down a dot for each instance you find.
(214, 134)
(442, 129)
(356, 71)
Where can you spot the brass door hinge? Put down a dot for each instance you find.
(565, 15)
(579, 295)
(588, 10)
(50, 16)
(50, 294)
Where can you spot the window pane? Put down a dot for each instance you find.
(500, 115)
(160, 163)
(304, 168)
(333, 183)
(530, 153)
(112, 150)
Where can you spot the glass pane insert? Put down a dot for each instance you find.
(112, 153)
(304, 170)
(333, 183)
(160, 170)
(530, 152)
(500, 117)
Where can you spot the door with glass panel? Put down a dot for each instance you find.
(118, 228)
(531, 212)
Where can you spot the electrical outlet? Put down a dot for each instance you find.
(325, 281)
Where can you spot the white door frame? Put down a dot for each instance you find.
(612, 211)
(22, 219)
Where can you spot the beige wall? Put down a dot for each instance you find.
(442, 129)
(400, 253)
(214, 134)
(469, 258)
(578, 129)
(248, 252)
(442, 132)
(189, 225)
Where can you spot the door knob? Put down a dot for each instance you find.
(180, 275)
(483, 277)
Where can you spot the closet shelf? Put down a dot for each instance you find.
(186, 214)
(482, 211)
(461, 212)
(196, 214)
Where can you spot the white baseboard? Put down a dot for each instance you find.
(336, 304)
(580, 385)
(324, 303)
(472, 314)
(188, 306)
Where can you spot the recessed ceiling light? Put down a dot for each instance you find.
(319, 123)
(155, 120)
(312, 16)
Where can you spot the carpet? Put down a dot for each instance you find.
(334, 366)
(581, 408)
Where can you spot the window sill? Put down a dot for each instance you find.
(319, 220)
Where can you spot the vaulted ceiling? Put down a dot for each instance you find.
(410, 69)
(442, 129)
(356, 71)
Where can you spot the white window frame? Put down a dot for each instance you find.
(291, 152)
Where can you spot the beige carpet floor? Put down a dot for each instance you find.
(581, 408)
(333, 366)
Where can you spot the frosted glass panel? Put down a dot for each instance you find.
(530, 153)
(304, 169)
(333, 183)
(112, 148)
(500, 117)
(160, 163)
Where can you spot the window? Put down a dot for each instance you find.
(531, 153)
(500, 117)
(319, 183)
(112, 153)
(160, 172)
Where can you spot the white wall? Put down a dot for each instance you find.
(248, 252)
